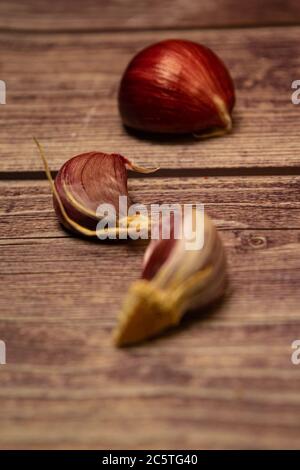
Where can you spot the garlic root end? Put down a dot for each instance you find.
(147, 312)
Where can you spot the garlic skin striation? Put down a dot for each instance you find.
(86, 181)
(174, 280)
(177, 87)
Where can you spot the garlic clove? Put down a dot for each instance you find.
(177, 87)
(181, 281)
(86, 181)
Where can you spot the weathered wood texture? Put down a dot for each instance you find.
(115, 14)
(222, 380)
(63, 89)
(26, 209)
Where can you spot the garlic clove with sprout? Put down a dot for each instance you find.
(84, 183)
(174, 280)
(177, 87)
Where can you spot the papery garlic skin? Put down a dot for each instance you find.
(176, 87)
(185, 280)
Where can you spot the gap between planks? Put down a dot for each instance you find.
(76, 31)
(173, 173)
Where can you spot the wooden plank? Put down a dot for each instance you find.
(39, 268)
(63, 89)
(223, 381)
(26, 209)
(102, 15)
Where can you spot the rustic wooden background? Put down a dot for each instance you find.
(224, 379)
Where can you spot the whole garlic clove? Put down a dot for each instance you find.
(86, 181)
(171, 285)
(177, 87)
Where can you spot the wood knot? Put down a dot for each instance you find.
(258, 242)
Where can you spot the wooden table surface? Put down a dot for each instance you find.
(224, 379)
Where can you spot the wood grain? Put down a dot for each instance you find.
(132, 15)
(222, 380)
(26, 209)
(63, 89)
